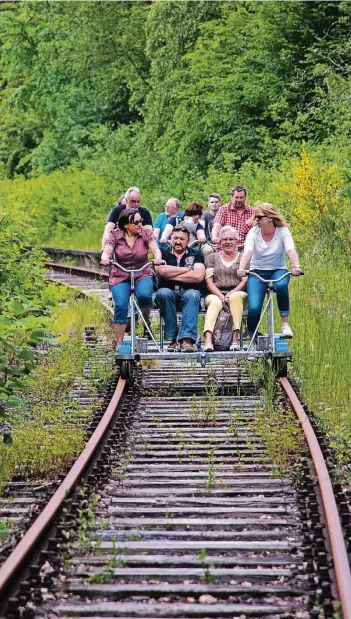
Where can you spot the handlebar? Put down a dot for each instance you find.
(148, 264)
(270, 281)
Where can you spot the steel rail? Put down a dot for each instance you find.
(78, 270)
(337, 541)
(17, 558)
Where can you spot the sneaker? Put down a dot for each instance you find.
(172, 346)
(234, 346)
(186, 345)
(208, 347)
(251, 353)
(286, 331)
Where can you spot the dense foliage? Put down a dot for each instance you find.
(23, 303)
(176, 97)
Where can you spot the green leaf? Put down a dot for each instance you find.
(37, 333)
(15, 384)
(52, 340)
(63, 339)
(8, 440)
(14, 400)
(16, 307)
(26, 355)
(5, 321)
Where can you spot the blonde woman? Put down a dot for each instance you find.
(265, 247)
(224, 285)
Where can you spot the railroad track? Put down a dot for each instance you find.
(178, 510)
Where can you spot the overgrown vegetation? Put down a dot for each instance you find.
(185, 109)
(204, 409)
(50, 428)
(275, 425)
(5, 529)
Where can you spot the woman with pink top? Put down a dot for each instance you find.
(130, 243)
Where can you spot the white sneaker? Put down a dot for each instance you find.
(252, 351)
(286, 331)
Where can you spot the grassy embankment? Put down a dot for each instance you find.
(49, 431)
(322, 353)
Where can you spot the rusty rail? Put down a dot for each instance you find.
(82, 257)
(337, 542)
(78, 270)
(27, 544)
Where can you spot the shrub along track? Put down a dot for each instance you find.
(22, 499)
(182, 514)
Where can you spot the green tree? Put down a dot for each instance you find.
(69, 68)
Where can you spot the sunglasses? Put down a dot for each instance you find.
(259, 217)
(136, 222)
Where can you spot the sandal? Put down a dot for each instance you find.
(186, 345)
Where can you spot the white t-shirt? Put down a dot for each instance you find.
(269, 256)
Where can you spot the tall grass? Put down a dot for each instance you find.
(321, 319)
(50, 430)
(73, 316)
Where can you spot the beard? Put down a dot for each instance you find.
(178, 249)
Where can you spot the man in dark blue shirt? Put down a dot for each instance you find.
(179, 282)
(132, 200)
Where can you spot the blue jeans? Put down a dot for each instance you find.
(121, 294)
(187, 301)
(256, 291)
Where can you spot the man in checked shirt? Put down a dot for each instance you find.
(234, 214)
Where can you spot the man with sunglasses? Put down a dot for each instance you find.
(236, 214)
(132, 201)
(179, 282)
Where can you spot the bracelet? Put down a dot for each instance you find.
(297, 266)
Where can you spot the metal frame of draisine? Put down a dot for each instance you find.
(137, 350)
(140, 349)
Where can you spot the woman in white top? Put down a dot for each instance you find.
(265, 247)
